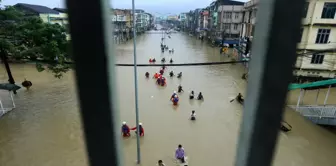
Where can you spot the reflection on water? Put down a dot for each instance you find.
(45, 129)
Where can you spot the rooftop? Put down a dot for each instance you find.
(61, 10)
(37, 8)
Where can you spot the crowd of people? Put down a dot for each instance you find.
(174, 98)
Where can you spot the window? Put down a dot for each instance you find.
(226, 26)
(322, 36)
(317, 59)
(305, 9)
(329, 10)
(236, 15)
(228, 15)
(235, 26)
(301, 33)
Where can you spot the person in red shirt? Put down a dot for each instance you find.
(142, 131)
(125, 130)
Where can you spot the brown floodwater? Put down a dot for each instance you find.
(45, 130)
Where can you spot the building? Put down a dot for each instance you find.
(148, 21)
(194, 21)
(46, 14)
(316, 59)
(225, 18)
(119, 19)
(183, 18)
(230, 18)
(249, 20)
(191, 21)
(204, 14)
(318, 35)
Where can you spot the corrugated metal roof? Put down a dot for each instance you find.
(61, 10)
(37, 8)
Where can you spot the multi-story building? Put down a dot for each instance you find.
(204, 14)
(119, 19)
(183, 18)
(148, 21)
(140, 20)
(225, 17)
(230, 18)
(316, 46)
(191, 21)
(194, 20)
(249, 20)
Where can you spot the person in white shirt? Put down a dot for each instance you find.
(193, 115)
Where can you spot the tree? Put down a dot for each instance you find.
(29, 38)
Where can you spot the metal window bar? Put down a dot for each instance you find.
(271, 71)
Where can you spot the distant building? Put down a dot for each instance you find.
(318, 34)
(148, 21)
(230, 18)
(250, 15)
(225, 18)
(46, 14)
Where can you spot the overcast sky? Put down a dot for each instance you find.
(159, 7)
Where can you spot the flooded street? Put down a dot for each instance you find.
(45, 130)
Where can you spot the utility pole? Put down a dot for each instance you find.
(136, 89)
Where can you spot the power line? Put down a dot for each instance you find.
(182, 64)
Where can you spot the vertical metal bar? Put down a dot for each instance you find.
(11, 95)
(273, 59)
(2, 108)
(304, 92)
(326, 98)
(299, 99)
(91, 36)
(317, 95)
(136, 88)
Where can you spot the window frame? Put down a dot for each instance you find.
(235, 26)
(317, 59)
(237, 15)
(229, 15)
(322, 36)
(328, 10)
(301, 35)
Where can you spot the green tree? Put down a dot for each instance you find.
(29, 38)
